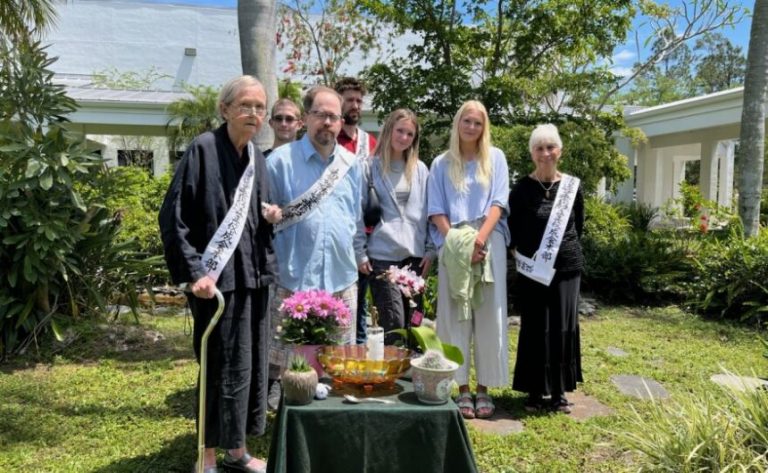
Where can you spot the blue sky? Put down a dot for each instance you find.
(624, 55)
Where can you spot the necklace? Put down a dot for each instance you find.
(546, 189)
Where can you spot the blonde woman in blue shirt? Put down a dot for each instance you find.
(469, 185)
(401, 238)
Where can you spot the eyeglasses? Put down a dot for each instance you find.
(323, 116)
(284, 118)
(258, 110)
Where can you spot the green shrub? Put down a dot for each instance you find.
(57, 249)
(631, 265)
(639, 215)
(730, 275)
(708, 432)
(135, 196)
(603, 222)
(691, 199)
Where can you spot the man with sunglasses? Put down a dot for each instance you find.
(285, 121)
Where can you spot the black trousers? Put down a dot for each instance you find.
(237, 353)
(393, 307)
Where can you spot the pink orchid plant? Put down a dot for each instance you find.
(409, 283)
(313, 317)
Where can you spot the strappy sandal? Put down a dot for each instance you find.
(241, 464)
(466, 405)
(484, 406)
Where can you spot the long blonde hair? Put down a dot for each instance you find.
(384, 148)
(456, 163)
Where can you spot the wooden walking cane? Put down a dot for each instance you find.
(203, 380)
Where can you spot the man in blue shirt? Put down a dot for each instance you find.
(315, 242)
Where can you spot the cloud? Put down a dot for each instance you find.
(623, 56)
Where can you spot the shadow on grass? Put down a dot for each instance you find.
(29, 413)
(183, 403)
(21, 420)
(178, 455)
(121, 342)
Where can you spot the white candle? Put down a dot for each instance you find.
(375, 343)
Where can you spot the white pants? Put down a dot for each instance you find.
(488, 326)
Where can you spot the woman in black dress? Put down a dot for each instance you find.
(548, 353)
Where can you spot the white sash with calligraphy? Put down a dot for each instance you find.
(541, 268)
(227, 236)
(300, 207)
(362, 143)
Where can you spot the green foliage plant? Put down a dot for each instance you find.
(48, 231)
(709, 431)
(632, 265)
(729, 277)
(193, 115)
(427, 339)
(135, 196)
(639, 215)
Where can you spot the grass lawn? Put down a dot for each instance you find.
(116, 400)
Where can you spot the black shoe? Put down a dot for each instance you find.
(535, 402)
(274, 394)
(241, 464)
(561, 404)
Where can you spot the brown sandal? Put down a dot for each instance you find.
(466, 405)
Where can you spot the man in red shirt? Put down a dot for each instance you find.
(352, 137)
(362, 144)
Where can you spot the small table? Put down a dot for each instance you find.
(334, 436)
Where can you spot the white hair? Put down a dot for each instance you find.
(546, 134)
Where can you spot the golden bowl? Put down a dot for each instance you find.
(349, 364)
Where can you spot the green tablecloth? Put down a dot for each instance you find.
(337, 437)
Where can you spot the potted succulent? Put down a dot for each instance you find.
(432, 375)
(299, 381)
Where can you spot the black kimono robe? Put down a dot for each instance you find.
(197, 201)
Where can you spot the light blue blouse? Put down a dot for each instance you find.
(473, 205)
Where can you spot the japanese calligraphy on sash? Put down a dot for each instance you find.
(227, 236)
(362, 144)
(300, 207)
(541, 268)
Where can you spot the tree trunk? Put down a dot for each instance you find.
(257, 22)
(752, 138)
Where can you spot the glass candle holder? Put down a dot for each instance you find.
(375, 343)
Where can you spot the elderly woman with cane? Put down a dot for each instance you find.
(216, 230)
(546, 219)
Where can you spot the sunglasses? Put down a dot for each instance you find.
(284, 118)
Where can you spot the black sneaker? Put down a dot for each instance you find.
(274, 394)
